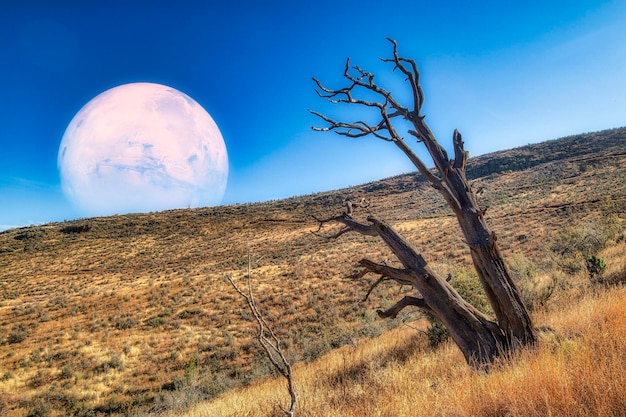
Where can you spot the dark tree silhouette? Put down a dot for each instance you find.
(480, 338)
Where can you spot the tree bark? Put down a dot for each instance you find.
(503, 294)
(479, 338)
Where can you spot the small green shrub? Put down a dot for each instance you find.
(465, 281)
(595, 267)
(436, 333)
(155, 321)
(114, 362)
(67, 371)
(39, 408)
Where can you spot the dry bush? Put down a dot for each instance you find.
(536, 286)
(571, 245)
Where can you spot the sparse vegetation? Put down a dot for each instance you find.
(17, 334)
(577, 371)
(165, 271)
(270, 343)
(75, 228)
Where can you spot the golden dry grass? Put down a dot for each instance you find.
(578, 369)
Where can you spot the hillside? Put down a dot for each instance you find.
(577, 371)
(132, 313)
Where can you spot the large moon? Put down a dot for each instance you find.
(142, 147)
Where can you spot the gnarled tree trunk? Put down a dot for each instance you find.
(480, 339)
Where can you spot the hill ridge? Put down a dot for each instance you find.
(109, 314)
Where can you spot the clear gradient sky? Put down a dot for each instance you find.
(505, 73)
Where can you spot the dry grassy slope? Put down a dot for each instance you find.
(104, 313)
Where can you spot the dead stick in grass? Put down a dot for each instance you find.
(268, 339)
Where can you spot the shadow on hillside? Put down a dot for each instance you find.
(357, 364)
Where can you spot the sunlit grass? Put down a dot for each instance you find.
(578, 369)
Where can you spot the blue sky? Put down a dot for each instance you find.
(504, 73)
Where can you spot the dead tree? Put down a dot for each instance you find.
(480, 338)
(268, 340)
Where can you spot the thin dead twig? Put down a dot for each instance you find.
(268, 339)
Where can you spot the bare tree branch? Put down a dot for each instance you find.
(413, 76)
(387, 273)
(374, 285)
(401, 276)
(352, 130)
(270, 344)
(351, 226)
(460, 154)
(406, 301)
(359, 129)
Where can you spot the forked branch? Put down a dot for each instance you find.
(400, 275)
(415, 268)
(268, 341)
(400, 305)
(388, 109)
(350, 225)
(412, 75)
(387, 273)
